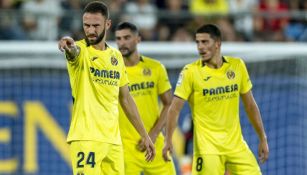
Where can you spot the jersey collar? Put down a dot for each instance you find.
(105, 43)
(203, 64)
(141, 58)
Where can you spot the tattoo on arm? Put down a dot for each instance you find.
(73, 53)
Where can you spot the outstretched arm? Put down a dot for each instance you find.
(254, 116)
(171, 122)
(132, 113)
(67, 45)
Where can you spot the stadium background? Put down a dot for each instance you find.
(35, 98)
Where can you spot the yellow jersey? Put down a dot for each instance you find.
(147, 80)
(213, 96)
(95, 78)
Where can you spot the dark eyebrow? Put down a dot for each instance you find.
(125, 36)
(91, 24)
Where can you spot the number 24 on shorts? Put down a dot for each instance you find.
(90, 159)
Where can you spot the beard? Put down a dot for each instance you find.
(98, 40)
(126, 52)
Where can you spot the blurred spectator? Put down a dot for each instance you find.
(174, 15)
(296, 30)
(41, 18)
(70, 23)
(182, 35)
(116, 8)
(9, 24)
(209, 7)
(175, 6)
(303, 37)
(144, 15)
(227, 29)
(239, 20)
(162, 32)
(223, 23)
(242, 11)
(271, 26)
(215, 12)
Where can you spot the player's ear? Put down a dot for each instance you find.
(218, 43)
(108, 23)
(139, 38)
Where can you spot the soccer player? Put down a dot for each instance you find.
(148, 81)
(213, 86)
(99, 82)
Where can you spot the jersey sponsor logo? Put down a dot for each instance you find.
(106, 82)
(141, 86)
(113, 74)
(230, 74)
(146, 72)
(221, 90)
(114, 61)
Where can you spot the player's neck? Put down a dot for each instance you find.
(132, 60)
(100, 46)
(216, 62)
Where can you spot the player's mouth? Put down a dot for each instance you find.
(91, 37)
(124, 49)
(202, 54)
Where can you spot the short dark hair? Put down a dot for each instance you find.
(127, 25)
(97, 7)
(212, 30)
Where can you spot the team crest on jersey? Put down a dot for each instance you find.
(230, 74)
(146, 72)
(114, 61)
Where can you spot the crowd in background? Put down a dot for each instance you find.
(159, 20)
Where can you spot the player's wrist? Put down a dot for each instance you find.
(168, 139)
(153, 134)
(263, 138)
(144, 135)
(73, 52)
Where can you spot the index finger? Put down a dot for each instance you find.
(68, 40)
(61, 46)
(150, 153)
(265, 155)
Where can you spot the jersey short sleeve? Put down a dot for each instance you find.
(184, 84)
(163, 81)
(124, 79)
(246, 83)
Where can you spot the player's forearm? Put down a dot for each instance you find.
(166, 99)
(255, 119)
(156, 129)
(172, 116)
(132, 113)
(72, 53)
(171, 123)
